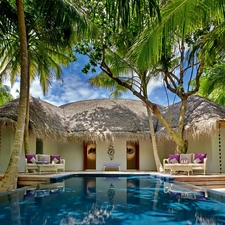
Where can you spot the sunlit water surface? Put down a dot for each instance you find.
(111, 200)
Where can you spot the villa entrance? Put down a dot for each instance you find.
(132, 148)
(89, 149)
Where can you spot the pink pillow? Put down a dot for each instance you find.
(200, 156)
(174, 158)
(55, 159)
(30, 158)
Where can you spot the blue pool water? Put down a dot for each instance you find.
(112, 200)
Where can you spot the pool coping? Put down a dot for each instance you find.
(60, 177)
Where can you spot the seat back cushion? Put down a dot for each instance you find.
(45, 158)
(174, 158)
(55, 159)
(199, 157)
(31, 158)
(186, 158)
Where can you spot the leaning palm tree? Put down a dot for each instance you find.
(52, 34)
(9, 181)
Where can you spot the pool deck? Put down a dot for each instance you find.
(209, 181)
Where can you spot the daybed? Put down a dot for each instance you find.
(44, 163)
(186, 163)
(111, 166)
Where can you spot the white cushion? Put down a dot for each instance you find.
(55, 161)
(197, 160)
(173, 161)
(185, 158)
(33, 160)
(45, 158)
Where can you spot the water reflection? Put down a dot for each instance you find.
(185, 192)
(111, 200)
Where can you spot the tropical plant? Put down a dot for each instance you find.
(212, 83)
(164, 47)
(119, 65)
(142, 76)
(5, 95)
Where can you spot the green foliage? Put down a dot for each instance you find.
(52, 28)
(212, 84)
(5, 95)
(179, 17)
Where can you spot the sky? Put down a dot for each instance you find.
(74, 87)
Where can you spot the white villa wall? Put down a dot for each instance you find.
(73, 152)
(220, 149)
(50, 147)
(202, 145)
(147, 161)
(5, 149)
(73, 155)
(165, 147)
(102, 156)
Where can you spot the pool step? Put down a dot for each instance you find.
(207, 181)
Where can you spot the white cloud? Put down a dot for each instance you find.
(76, 88)
(153, 84)
(35, 89)
(14, 89)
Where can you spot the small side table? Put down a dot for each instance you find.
(46, 168)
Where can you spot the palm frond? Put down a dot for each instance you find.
(179, 17)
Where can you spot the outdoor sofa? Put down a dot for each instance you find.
(44, 163)
(186, 163)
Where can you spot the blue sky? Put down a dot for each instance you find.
(75, 87)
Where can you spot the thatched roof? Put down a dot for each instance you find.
(46, 120)
(201, 117)
(108, 119)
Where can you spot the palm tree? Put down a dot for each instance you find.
(9, 181)
(49, 45)
(49, 36)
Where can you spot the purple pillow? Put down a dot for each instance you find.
(30, 157)
(55, 159)
(174, 158)
(200, 156)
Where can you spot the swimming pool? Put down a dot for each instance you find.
(112, 200)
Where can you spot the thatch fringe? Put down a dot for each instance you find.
(110, 119)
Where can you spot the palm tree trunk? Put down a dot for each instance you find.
(9, 181)
(154, 144)
(26, 131)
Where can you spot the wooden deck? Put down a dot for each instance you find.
(209, 181)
